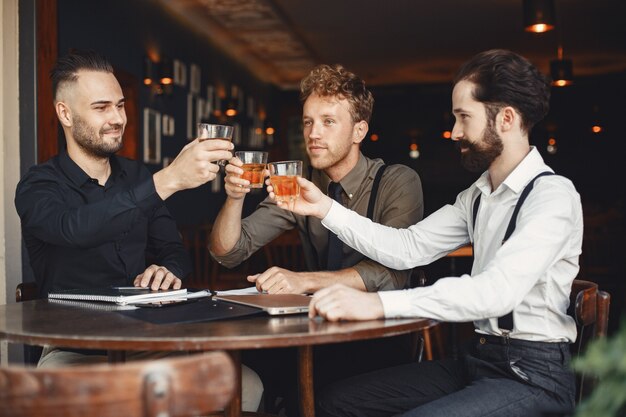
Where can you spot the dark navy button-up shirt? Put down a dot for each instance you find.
(80, 234)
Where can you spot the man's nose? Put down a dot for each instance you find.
(457, 133)
(315, 130)
(118, 117)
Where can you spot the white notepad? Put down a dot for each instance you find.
(119, 295)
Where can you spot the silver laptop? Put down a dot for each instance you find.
(273, 304)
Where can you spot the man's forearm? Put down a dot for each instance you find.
(322, 279)
(227, 227)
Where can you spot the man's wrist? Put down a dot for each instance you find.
(164, 186)
(325, 206)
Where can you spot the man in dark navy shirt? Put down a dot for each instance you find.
(93, 219)
(82, 234)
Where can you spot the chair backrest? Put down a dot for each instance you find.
(590, 308)
(601, 254)
(286, 251)
(196, 240)
(26, 291)
(183, 386)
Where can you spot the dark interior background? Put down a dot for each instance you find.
(126, 31)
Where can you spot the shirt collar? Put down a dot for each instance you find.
(526, 170)
(80, 177)
(352, 181)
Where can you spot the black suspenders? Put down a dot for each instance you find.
(506, 322)
(374, 192)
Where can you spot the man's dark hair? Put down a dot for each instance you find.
(503, 78)
(335, 80)
(67, 67)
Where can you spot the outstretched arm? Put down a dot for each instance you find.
(312, 201)
(227, 226)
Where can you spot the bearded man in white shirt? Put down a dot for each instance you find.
(525, 260)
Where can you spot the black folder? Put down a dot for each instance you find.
(196, 311)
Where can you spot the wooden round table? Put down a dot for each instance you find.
(45, 323)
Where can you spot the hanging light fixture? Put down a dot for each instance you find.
(148, 71)
(561, 70)
(232, 104)
(167, 71)
(539, 15)
(414, 152)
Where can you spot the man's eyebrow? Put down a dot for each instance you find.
(120, 101)
(460, 110)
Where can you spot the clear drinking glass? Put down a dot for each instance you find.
(283, 176)
(254, 163)
(211, 131)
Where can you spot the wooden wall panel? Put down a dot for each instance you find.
(47, 51)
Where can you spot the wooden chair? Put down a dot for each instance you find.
(424, 340)
(196, 240)
(286, 251)
(602, 244)
(183, 386)
(207, 273)
(27, 291)
(590, 308)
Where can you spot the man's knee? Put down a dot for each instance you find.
(330, 402)
(251, 389)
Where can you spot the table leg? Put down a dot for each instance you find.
(233, 409)
(305, 381)
(116, 356)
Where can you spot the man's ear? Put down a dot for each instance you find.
(359, 131)
(64, 113)
(509, 118)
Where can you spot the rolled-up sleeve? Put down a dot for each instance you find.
(258, 229)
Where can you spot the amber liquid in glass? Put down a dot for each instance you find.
(286, 187)
(254, 174)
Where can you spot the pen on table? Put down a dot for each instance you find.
(131, 288)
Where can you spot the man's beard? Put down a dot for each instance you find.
(92, 142)
(479, 155)
(332, 157)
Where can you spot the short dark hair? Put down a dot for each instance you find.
(335, 80)
(67, 67)
(504, 78)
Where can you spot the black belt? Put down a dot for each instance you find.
(506, 340)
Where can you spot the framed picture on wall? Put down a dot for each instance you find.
(180, 73)
(151, 136)
(200, 109)
(194, 79)
(210, 100)
(168, 125)
(191, 117)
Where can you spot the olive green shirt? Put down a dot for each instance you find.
(399, 204)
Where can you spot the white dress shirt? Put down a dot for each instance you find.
(531, 273)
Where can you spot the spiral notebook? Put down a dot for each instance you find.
(118, 295)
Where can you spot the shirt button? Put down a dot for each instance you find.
(482, 340)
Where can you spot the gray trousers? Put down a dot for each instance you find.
(496, 378)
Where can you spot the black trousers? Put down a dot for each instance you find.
(279, 372)
(495, 378)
